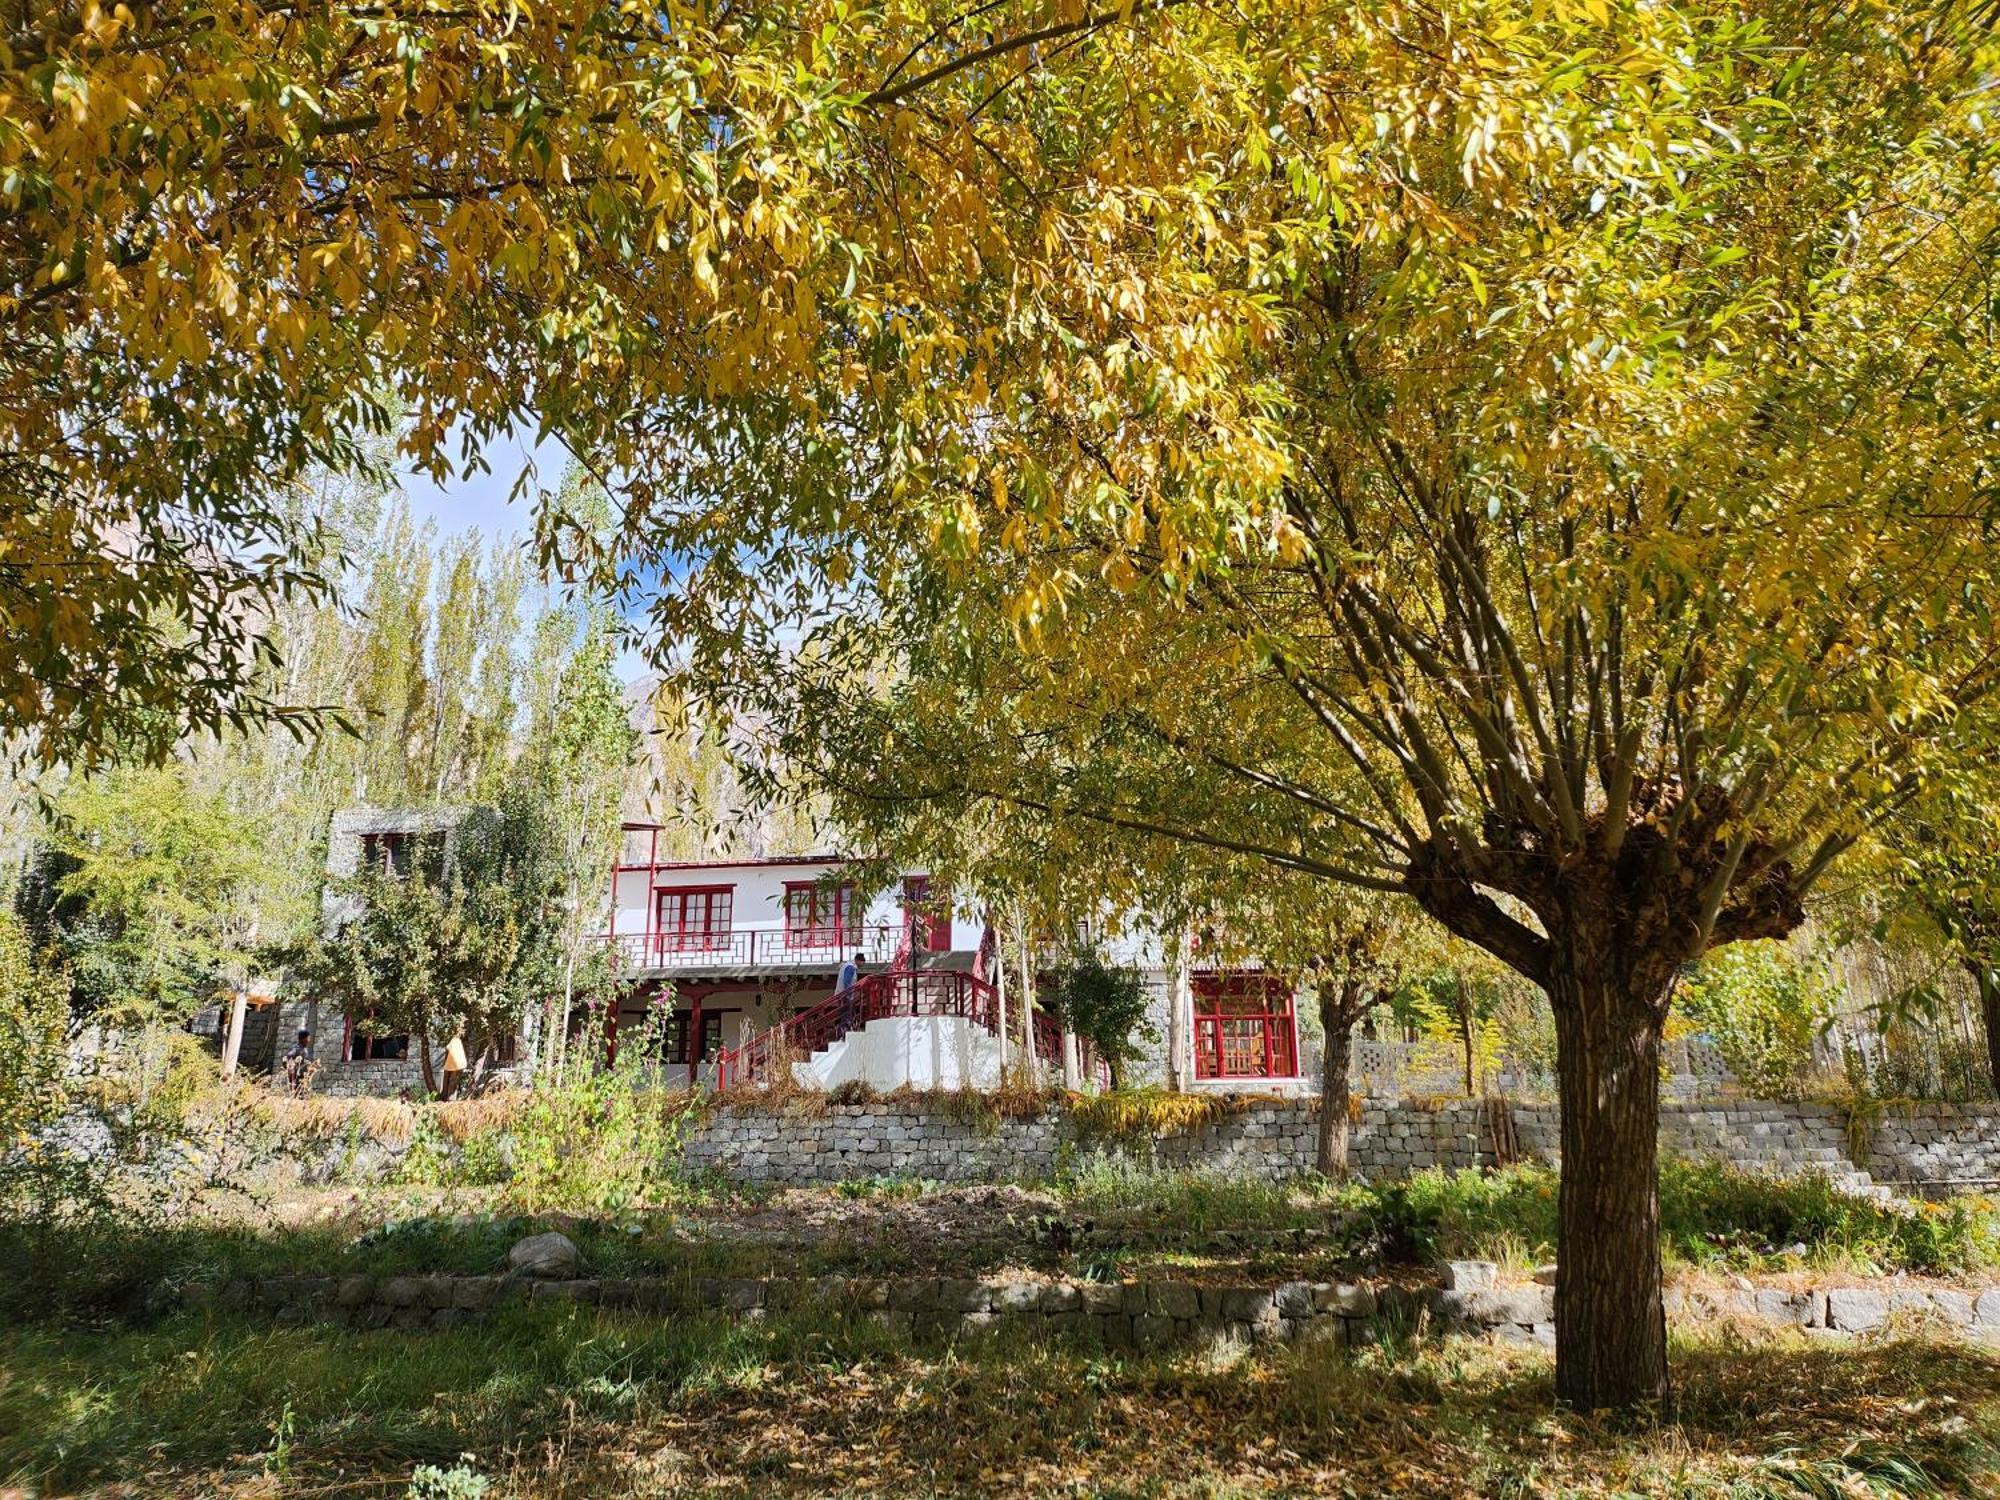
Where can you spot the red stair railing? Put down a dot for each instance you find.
(895, 992)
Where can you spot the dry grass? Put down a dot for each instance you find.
(322, 1118)
(567, 1403)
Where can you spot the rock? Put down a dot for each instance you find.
(1172, 1299)
(1249, 1304)
(1852, 1310)
(552, 1255)
(1470, 1275)
(1986, 1311)
(1954, 1308)
(1295, 1299)
(1795, 1308)
(1348, 1301)
(1545, 1275)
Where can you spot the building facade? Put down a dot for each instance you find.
(732, 975)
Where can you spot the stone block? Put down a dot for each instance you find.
(1349, 1301)
(1060, 1298)
(1177, 1299)
(1249, 1304)
(1470, 1275)
(1855, 1310)
(1986, 1309)
(957, 1294)
(1102, 1298)
(1795, 1308)
(1150, 1330)
(1294, 1299)
(739, 1293)
(1510, 1304)
(1014, 1296)
(437, 1291)
(1952, 1307)
(401, 1291)
(354, 1291)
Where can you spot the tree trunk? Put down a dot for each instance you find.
(424, 1057)
(1335, 1064)
(1989, 1010)
(1611, 1326)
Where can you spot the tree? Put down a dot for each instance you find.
(428, 953)
(146, 888)
(1102, 1002)
(1591, 472)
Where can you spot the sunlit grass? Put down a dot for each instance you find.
(564, 1401)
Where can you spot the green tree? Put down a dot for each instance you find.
(427, 953)
(148, 891)
(1572, 513)
(1102, 1002)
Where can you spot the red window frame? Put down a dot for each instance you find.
(818, 916)
(926, 916)
(693, 918)
(1245, 1026)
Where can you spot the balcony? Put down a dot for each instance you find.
(757, 949)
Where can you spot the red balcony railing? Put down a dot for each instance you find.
(899, 992)
(757, 947)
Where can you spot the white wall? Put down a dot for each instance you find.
(923, 1052)
(759, 896)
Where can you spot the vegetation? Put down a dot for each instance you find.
(1435, 447)
(561, 1401)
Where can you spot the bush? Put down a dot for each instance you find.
(1710, 1214)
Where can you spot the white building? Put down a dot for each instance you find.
(748, 953)
(733, 969)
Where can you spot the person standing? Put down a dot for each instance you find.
(843, 986)
(454, 1064)
(297, 1061)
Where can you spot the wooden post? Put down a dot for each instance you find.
(1178, 1010)
(232, 1046)
(1000, 1011)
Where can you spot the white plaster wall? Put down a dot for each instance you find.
(759, 900)
(923, 1052)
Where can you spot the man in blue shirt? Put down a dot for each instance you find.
(849, 973)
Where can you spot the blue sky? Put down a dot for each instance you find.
(480, 501)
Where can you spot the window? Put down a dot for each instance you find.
(1244, 1027)
(818, 916)
(926, 916)
(389, 851)
(674, 1044)
(695, 919)
(362, 1047)
(398, 850)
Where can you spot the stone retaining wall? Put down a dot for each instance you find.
(1927, 1147)
(1118, 1313)
(1931, 1144)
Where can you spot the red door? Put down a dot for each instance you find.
(926, 918)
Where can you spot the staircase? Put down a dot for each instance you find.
(873, 997)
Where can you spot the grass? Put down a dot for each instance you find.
(561, 1401)
(1109, 1219)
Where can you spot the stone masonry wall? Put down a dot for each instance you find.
(1929, 1147)
(1117, 1313)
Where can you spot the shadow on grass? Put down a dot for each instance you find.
(564, 1401)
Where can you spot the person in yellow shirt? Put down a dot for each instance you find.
(454, 1065)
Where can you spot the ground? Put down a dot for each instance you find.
(559, 1401)
(106, 1389)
